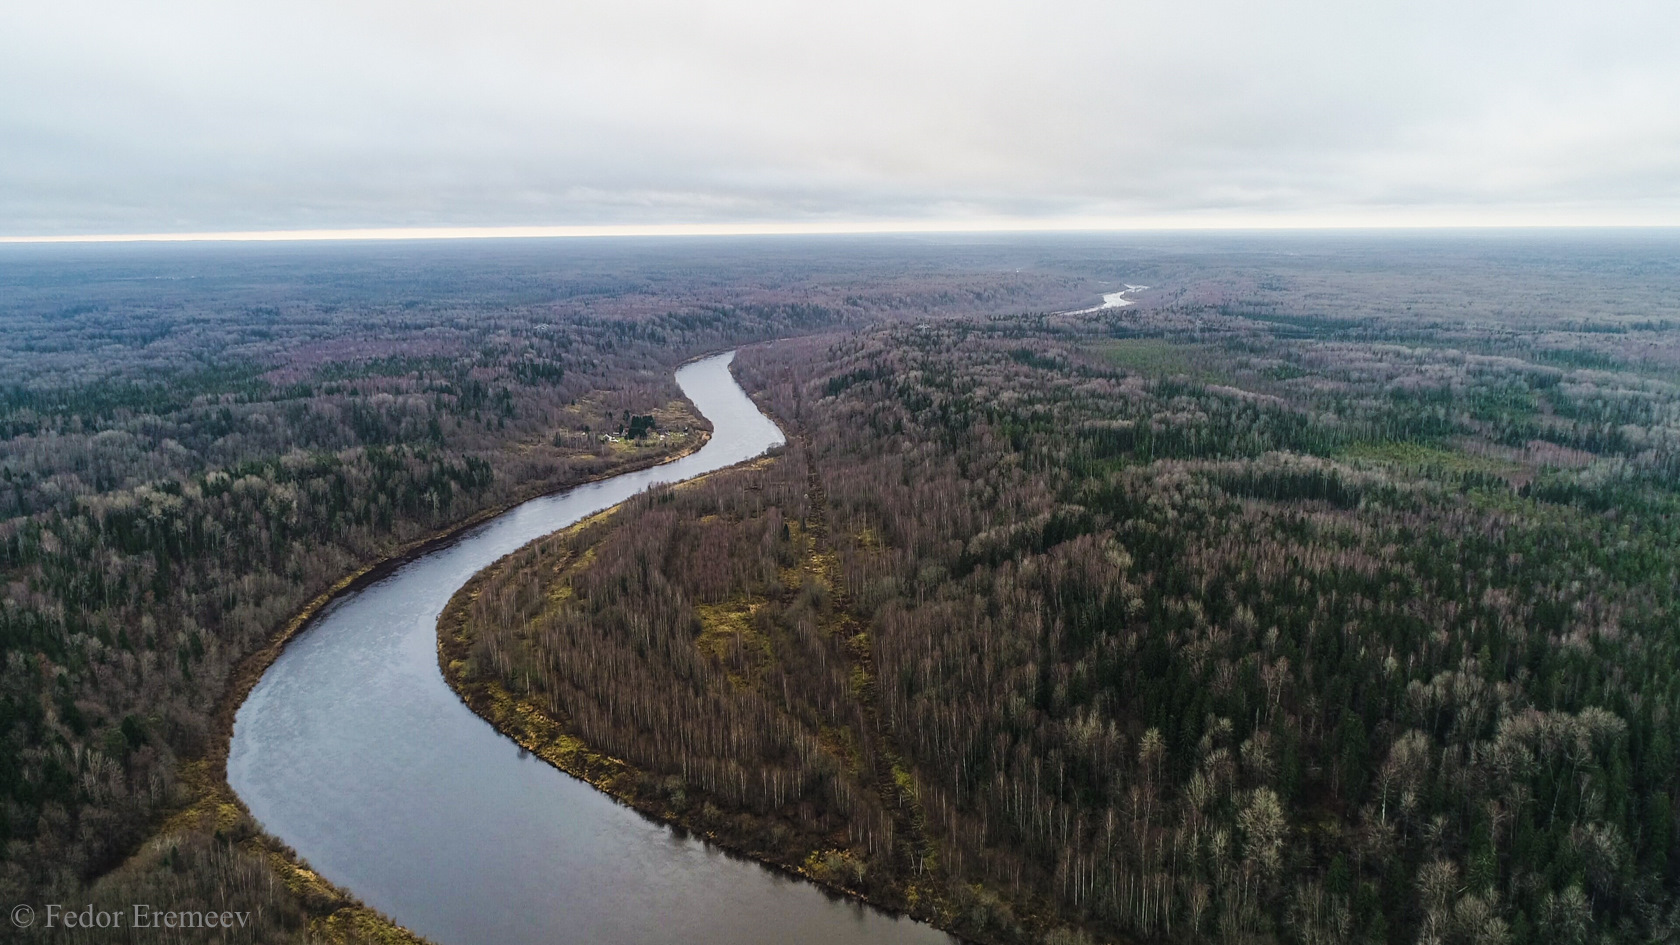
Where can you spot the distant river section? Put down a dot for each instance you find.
(353, 750)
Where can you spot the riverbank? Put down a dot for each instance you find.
(354, 749)
(533, 728)
(212, 806)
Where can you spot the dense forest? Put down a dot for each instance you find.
(1308, 600)
(197, 442)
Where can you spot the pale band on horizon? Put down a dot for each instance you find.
(859, 228)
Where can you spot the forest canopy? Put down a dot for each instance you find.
(1324, 593)
(1192, 621)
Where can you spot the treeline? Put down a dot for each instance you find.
(1039, 631)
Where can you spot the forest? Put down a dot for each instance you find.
(1308, 600)
(978, 643)
(196, 443)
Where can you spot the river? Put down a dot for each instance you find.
(353, 750)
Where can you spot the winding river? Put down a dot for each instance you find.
(353, 750)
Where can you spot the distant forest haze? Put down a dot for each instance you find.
(1326, 594)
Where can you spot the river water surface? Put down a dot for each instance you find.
(353, 750)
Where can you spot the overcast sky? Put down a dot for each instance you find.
(176, 115)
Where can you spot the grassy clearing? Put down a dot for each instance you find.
(1160, 358)
(727, 628)
(1426, 458)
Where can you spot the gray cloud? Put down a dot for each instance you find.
(184, 115)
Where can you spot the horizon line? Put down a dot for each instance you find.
(861, 228)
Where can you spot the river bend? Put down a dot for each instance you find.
(353, 750)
